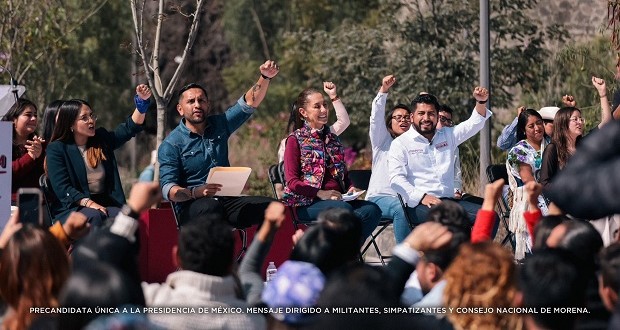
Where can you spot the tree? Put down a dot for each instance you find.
(148, 51)
(613, 23)
(430, 45)
(46, 48)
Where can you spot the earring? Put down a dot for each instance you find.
(71, 129)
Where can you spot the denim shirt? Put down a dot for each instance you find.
(185, 158)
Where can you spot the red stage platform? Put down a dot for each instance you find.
(158, 234)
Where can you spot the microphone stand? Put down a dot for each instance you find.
(12, 82)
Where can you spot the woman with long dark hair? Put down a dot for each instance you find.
(33, 268)
(315, 170)
(524, 160)
(80, 161)
(569, 127)
(49, 118)
(28, 149)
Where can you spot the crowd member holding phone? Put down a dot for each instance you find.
(28, 148)
(81, 164)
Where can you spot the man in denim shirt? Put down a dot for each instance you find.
(199, 143)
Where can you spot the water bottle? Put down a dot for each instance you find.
(271, 272)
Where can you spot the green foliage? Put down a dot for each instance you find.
(430, 45)
(570, 72)
(48, 49)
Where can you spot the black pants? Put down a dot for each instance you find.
(240, 212)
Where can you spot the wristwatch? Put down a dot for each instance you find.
(126, 210)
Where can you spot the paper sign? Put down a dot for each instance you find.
(232, 179)
(6, 159)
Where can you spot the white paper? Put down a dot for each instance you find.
(352, 196)
(232, 179)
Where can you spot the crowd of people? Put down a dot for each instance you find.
(446, 271)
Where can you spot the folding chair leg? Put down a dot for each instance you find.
(243, 235)
(373, 242)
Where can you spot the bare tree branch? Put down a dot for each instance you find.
(261, 33)
(193, 32)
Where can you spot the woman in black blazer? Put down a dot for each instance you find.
(81, 165)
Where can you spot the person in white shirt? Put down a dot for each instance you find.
(421, 161)
(384, 128)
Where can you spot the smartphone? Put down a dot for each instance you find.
(30, 204)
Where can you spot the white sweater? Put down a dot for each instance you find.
(200, 291)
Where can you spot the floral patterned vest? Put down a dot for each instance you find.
(316, 156)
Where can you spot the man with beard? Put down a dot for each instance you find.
(421, 160)
(199, 143)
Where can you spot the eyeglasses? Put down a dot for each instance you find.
(578, 120)
(446, 121)
(401, 117)
(85, 118)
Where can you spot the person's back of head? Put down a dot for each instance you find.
(104, 246)
(332, 242)
(49, 118)
(583, 240)
(100, 287)
(609, 282)
(543, 229)
(482, 275)
(33, 268)
(206, 246)
(453, 216)
(358, 285)
(298, 284)
(368, 290)
(551, 278)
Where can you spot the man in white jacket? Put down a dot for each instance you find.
(204, 282)
(421, 161)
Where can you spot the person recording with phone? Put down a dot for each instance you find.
(28, 148)
(81, 165)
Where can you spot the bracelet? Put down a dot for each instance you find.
(482, 102)
(603, 96)
(335, 99)
(192, 192)
(85, 203)
(265, 77)
(89, 203)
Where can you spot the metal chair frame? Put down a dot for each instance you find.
(494, 173)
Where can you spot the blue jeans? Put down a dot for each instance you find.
(368, 212)
(391, 209)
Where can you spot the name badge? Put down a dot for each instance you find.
(416, 151)
(442, 145)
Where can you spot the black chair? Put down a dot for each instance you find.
(405, 206)
(361, 179)
(494, 173)
(49, 198)
(276, 176)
